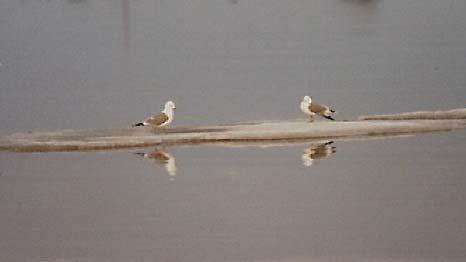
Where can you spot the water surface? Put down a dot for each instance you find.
(399, 198)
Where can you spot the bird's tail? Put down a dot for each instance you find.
(138, 124)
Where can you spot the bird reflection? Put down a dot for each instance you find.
(164, 158)
(316, 152)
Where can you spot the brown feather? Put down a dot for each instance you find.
(317, 108)
(157, 120)
(320, 152)
(160, 156)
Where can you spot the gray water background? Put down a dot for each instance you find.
(397, 199)
(84, 64)
(74, 64)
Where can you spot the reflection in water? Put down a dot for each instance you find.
(317, 151)
(164, 158)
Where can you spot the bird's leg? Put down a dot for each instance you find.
(311, 119)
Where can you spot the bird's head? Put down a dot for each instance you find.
(307, 99)
(170, 105)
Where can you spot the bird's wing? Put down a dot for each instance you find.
(159, 157)
(157, 120)
(317, 108)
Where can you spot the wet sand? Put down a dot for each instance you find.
(459, 113)
(70, 140)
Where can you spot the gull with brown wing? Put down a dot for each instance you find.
(163, 158)
(317, 152)
(312, 108)
(161, 119)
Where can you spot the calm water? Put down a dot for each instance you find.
(398, 198)
(76, 64)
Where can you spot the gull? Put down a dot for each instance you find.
(162, 158)
(317, 151)
(311, 108)
(161, 119)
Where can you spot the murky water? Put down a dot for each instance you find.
(398, 198)
(78, 64)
